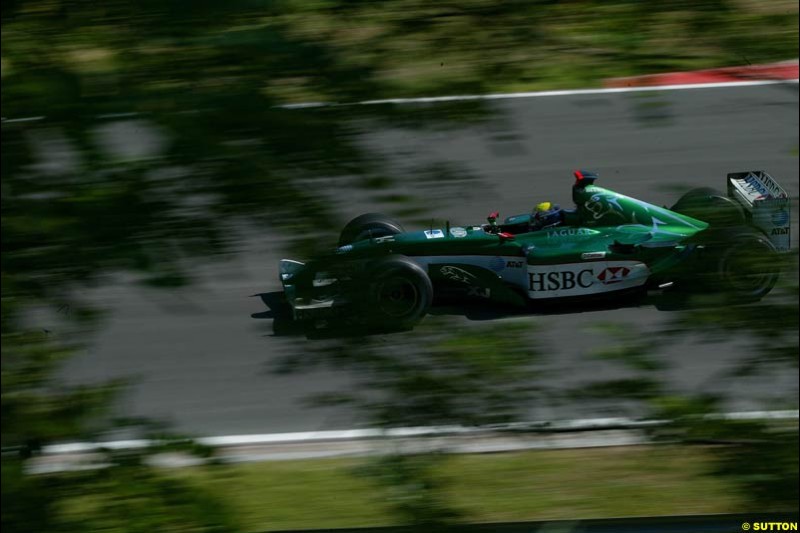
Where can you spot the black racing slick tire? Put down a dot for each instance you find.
(368, 226)
(399, 293)
(748, 267)
(711, 206)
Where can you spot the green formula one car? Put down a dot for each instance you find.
(608, 245)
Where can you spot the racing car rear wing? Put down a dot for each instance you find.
(766, 203)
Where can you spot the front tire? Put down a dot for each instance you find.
(368, 226)
(399, 293)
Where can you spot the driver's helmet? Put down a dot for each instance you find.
(546, 214)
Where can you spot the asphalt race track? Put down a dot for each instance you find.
(200, 359)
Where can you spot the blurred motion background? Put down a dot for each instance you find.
(159, 157)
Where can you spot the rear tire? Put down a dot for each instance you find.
(711, 206)
(368, 226)
(748, 268)
(399, 293)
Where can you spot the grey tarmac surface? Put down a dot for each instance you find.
(200, 360)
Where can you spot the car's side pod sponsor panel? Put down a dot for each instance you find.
(577, 279)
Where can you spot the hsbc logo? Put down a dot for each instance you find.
(613, 275)
(564, 280)
(576, 279)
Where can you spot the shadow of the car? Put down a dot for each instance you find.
(283, 325)
(480, 310)
(327, 329)
(276, 305)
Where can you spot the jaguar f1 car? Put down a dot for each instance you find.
(610, 244)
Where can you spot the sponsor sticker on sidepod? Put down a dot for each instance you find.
(577, 279)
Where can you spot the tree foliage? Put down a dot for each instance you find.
(136, 137)
(758, 456)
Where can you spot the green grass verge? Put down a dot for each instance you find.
(534, 485)
(415, 48)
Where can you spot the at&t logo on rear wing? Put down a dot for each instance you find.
(766, 202)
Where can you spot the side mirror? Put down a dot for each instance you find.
(504, 236)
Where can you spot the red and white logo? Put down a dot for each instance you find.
(613, 275)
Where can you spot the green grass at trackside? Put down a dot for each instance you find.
(533, 485)
(418, 48)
